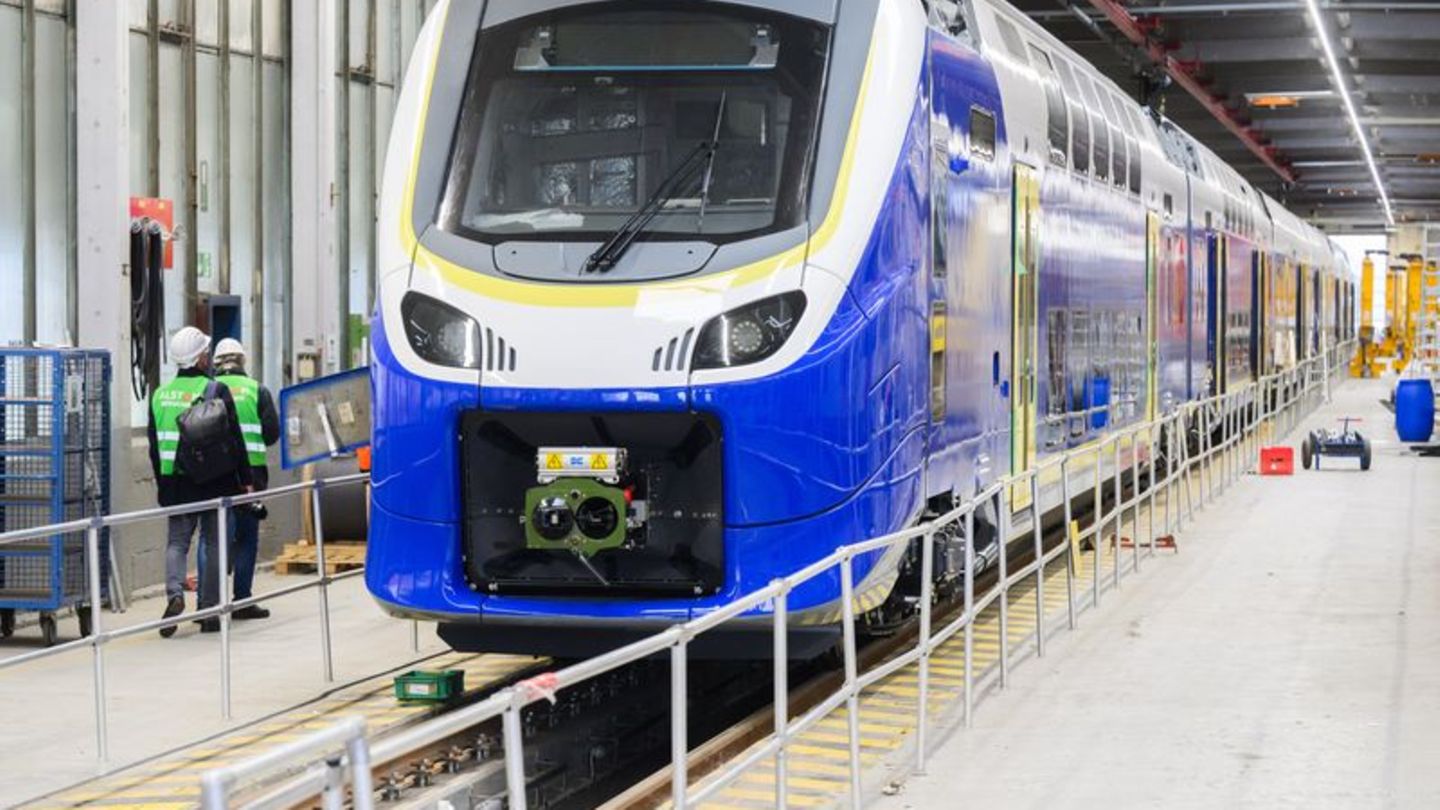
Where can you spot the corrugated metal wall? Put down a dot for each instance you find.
(209, 130)
(35, 148)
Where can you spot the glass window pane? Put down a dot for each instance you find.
(1056, 114)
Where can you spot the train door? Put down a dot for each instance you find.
(1215, 315)
(1301, 320)
(1025, 267)
(1152, 314)
(1257, 313)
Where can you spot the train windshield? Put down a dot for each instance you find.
(574, 120)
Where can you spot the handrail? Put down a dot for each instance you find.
(1240, 413)
(100, 636)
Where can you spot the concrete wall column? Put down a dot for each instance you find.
(102, 199)
(314, 302)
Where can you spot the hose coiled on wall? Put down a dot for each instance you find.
(147, 305)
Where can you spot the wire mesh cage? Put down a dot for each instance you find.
(54, 467)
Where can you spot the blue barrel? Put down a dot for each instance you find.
(1414, 410)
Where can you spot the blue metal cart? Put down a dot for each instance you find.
(54, 467)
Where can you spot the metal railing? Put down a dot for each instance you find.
(1224, 432)
(100, 636)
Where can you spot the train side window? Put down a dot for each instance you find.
(1080, 119)
(982, 133)
(1117, 142)
(1102, 131)
(1169, 206)
(1102, 150)
(1011, 38)
(1057, 116)
(1134, 164)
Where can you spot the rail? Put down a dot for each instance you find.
(100, 636)
(1219, 426)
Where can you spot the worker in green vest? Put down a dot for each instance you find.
(190, 352)
(260, 425)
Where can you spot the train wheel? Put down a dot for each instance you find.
(1306, 452)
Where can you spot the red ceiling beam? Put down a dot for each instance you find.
(1185, 73)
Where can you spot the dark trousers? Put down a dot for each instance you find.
(244, 546)
(179, 531)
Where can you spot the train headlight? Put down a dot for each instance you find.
(750, 333)
(440, 333)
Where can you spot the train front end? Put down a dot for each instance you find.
(618, 366)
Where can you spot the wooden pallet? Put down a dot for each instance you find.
(340, 555)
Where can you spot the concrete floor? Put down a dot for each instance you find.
(165, 693)
(1289, 656)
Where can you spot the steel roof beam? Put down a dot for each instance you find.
(1341, 87)
(1183, 73)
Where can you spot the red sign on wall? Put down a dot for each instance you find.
(163, 212)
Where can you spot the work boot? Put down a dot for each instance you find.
(173, 608)
(210, 625)
(250, 612)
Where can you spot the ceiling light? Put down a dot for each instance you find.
(1274, 102)
(1340, 87)
(1285, 98)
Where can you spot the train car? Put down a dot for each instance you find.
(677, 297)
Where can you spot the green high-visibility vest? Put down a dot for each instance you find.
(166, 404)
(246, 393)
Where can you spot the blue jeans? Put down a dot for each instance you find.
(210, 593)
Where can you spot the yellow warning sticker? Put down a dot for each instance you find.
(553, 462)
(599, 461)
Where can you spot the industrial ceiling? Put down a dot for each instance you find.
(1252, 79)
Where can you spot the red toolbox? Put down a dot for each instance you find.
(1277, 461)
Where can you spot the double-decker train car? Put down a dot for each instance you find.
(677, 296)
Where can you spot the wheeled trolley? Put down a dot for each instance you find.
(54, 467)
(1343, 443)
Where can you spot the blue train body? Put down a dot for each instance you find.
(901, 395)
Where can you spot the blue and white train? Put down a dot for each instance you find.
(679, 295)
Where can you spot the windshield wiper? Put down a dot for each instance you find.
(609, 254)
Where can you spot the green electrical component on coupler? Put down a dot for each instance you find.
(581, 515)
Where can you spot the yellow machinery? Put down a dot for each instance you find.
(1409, 292)
(1366, 362)
(1397, 339)
(1425, 320)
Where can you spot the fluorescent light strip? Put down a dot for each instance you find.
(1344, 91)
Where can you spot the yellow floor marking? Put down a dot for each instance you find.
(813, 766)
(151, 806)
(888, 743)
(189, 792)
(866, 727)
(818, 752)
(792, 781)
(760, 795)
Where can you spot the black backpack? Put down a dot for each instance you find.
(207, 449)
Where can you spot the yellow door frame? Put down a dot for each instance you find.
(1025, 266)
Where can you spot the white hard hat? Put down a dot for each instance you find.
(229, 347)
(187, 346)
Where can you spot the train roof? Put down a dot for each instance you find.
(1236, 205)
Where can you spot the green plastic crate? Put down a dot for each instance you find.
(418, 685)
